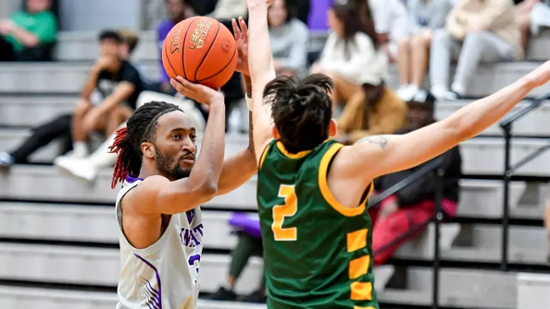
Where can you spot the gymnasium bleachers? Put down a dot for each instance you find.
(58, 236)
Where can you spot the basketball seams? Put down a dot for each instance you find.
(168, 58)
(183, 50)
(208, 51)
(228, 63)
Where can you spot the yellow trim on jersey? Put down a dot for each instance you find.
(357, 240)
(289, 155)
(325, 190)
(361, 291)
(359, 266)
(264, 154)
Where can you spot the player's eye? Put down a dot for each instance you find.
(193, 136)
(176, 136)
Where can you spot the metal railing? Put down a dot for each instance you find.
(431, 166)
(509, 170)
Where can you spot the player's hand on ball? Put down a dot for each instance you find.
(241, 37)
(197, 92)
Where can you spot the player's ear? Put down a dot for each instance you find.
(275, 133)
(148, 150)
(333, 128)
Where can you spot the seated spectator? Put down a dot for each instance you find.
(409, 211)
(372, 111)
(249, 244)
(351, 56)
(425, 16)
(390, 20)
(29, 35)
(119, 84)
(109, 72)
(530, 15)
(476, 31)
(288, 37)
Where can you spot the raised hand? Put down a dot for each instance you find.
(241, 37)
(197, 92)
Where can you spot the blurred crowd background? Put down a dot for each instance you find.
(432, 48)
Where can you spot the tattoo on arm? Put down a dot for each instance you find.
(379, 140)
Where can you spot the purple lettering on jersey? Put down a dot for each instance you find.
(188, 237)
(190, 216)
(154, 300)
(195, 258)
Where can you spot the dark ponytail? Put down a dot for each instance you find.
(302, 111)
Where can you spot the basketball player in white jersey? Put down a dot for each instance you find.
(157, 209)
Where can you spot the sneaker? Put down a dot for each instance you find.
(80, 168)
(439, 92)
(256, 297)
(6, 160)
(406, 93)
(222, 294)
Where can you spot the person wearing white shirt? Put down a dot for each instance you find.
(351, 56)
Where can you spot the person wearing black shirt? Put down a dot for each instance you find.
(119, 86)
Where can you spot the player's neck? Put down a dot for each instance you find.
(147, 171)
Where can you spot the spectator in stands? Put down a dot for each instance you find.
(531, 14)
(289, 38)
(390, 20)
(476, 31)
(425, 16)
(109, 72)
(177, 11)
(119, 84)
(130, 41)
(249, 244)
(405, 214)
(29, 35)
(374, 110)
(351, 56)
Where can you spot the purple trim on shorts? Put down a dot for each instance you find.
(155, 300)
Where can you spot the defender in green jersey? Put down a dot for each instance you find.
(312, 192)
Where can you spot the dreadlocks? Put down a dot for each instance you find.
(140, 128)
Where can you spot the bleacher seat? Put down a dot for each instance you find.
(533, 291)
(30, 111)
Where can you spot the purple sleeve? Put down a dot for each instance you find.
(162, 31)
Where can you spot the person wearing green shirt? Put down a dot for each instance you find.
(26, 35)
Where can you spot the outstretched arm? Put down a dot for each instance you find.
(262, 71)
(394, 153)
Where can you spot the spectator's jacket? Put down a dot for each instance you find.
(389, 115)
(423, 188)
(496, 16)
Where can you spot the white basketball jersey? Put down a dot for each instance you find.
(163, 275)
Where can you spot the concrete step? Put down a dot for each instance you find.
(44, 183)
(54, 77)
(33, 111)
(459, 288)
(534, 123)
(480, 155)
(533, 291)
(69, 77)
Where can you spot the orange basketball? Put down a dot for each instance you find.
(201, 50)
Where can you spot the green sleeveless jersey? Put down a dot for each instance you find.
(317, 253)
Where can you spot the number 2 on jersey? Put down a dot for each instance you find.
(287, 210)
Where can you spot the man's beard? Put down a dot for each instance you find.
(164, 165)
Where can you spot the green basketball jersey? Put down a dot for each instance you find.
(317, 253)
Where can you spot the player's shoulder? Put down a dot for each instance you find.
(145, 192)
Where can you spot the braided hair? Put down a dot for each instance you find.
(140, 128)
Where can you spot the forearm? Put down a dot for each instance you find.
(208, 168)
(28, 39)
(472, 119)
(236, 171)
(260, 60)
(90, 84)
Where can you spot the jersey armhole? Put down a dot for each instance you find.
(326, 161)
(264, 154)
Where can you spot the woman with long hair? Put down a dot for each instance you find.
(351, 56)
